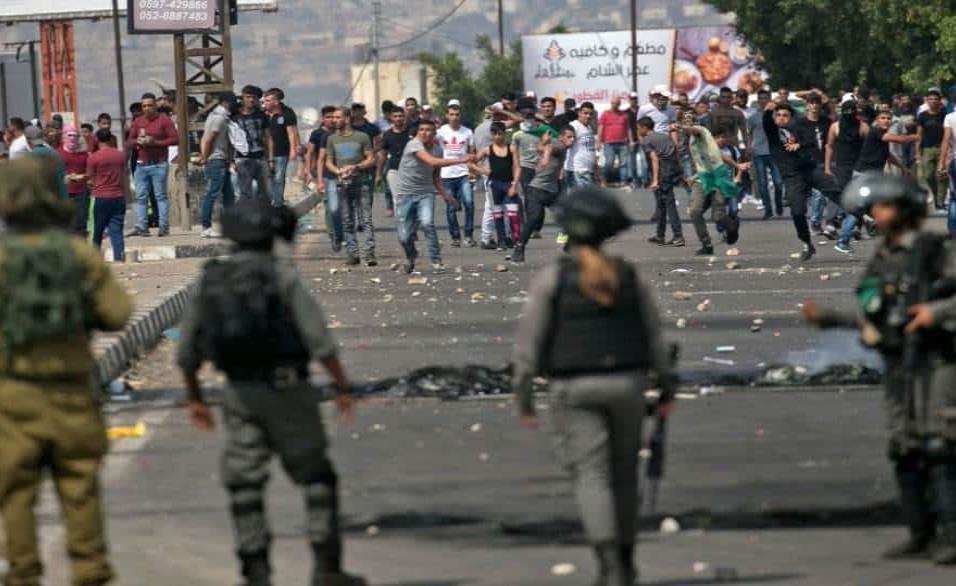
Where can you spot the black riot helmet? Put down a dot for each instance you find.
(254, 223)
(869, 188)
(590, 215)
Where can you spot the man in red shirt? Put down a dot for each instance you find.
(616, 134)
(106, 170)
(74, 155)
(150, 136)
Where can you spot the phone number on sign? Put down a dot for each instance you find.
(167, 16)
(174, 4)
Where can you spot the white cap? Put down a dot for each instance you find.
(426, 107)
(529, 94)
(633, 94)
(497, 107)
(847, 97)
(661, 90)
(454, 103)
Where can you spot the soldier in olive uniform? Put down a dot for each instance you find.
(254, 318)
(591, 327)
(54, 289)
(907, 310)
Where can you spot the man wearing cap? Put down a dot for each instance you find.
(616, 134)
(456, 142)
(659, 109)
(215, 152)
(150, 137)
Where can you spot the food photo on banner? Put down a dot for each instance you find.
(708, 58)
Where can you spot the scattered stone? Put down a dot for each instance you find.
(726, 349)
(375, 280)
(388, 298)
(502, 268)
(372, 530)
(754, 328)
(563, 569)
(720, 361)
(795, 255)
(475, 297)
(416, 293)
(418, 280)
(825, 277)
(681, 295)
(483, 457)
(333, 271)
(733, 265)
(710, 390)
(393, 267)
(475, 427)
(733, 252)
(700, 567)
(758, 322)
(670, 526)
(681, 324)
(334, 324)
(681, 270)
(377, 427)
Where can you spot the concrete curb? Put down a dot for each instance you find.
(171, 251)
(114, 352)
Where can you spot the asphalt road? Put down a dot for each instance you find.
(785, 487)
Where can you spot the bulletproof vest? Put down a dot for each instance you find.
(44, 295)
(248, 329)
(894, 282)
(586, 337)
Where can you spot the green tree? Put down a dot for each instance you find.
(890, 45)
(498, 74)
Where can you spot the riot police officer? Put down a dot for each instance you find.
(254, 318)
(54, 289)
(907, 310)
(591, 327)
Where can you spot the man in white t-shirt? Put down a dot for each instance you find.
(582, 158)
(19, 147)
(456, 142)
(947, 166)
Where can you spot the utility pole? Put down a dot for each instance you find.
(3, 93)
(119, 70)
(633, 45)
(376, 23)
(501, 28)
(33, 78)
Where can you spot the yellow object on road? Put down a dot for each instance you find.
(126, 431)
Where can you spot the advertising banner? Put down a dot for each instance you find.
(172, 16)
(596, 66)
(708, 58)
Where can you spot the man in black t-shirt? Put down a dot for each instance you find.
(285, 140)
(390, 156)
(325, 181)
(930, 132)
(254, 165)
(569, 115)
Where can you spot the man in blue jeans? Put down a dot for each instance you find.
(616, 134)
(456, 141)
(417, 183)
(150, 137)
(947, 166)
(215, 152)
(285, 140)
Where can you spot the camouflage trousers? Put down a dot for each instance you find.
(262, 420)
(53, 427)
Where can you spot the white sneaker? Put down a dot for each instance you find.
(438, 268)
(209, 233)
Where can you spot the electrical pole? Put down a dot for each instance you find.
(33, 79)
(3, 93)
(119, 70)
(501, 28)
(633, 45)
(376, 23)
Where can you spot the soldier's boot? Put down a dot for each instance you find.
(327, 570)
(627, 560)
(612, 570)
(945, 551)
(256, 570)
(916, 513)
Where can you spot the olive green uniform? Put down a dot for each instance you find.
(921, 422)
(281, 417)
(50, 421)
(597, 415)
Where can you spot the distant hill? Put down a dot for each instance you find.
(308, 46)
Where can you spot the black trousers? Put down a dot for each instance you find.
(927, 491)
(798, 187)
(667, 205)
(536, 200)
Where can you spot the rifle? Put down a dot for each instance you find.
(656, 444)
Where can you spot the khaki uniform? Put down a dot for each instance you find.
(50, 421)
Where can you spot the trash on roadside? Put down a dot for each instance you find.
(726, 349)
(418, 280)
(681, 270)
(126, 431)
(720, 361)
(172, 334)
(733, 252)
(681, 323)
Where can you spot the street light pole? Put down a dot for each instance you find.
(119, 69)
(376, 16)
(501, 28)
(33, 79)
(633, 45)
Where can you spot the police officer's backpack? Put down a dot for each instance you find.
(246, 325)
(44, 295)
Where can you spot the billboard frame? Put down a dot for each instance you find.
(216, 29)
(92, 14)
